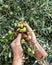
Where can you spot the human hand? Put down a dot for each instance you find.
(30, 33)
(17, 48)
(39, 52)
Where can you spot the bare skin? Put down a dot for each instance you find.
(40, 52)
(18, 51)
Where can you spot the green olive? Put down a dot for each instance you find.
(15, 24)
(21, 30)
(21, 26)
(16, 21)
(29, 50)
(10, 32)
(24, 29)
(22, 41)
(11, 13)
(24, 24)
(29, 37)
(6, 6)
(32, 52)
(3, 37)
(18, 8)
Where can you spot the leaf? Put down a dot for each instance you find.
(1, 1)
(10, 55)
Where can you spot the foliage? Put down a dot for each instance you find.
(38, 13)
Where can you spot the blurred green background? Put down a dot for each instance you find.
(38, 13)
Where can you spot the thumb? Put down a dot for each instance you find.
(19, 36)
(18, 39)
(28, 27)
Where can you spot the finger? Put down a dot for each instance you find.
(19, 24)
(17, 40)
(17, 31)
(13, 43)
(19, 37)
(28, 27)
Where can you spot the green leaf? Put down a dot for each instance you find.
(10, 55)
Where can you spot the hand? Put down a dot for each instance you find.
(40, 52)
(31, 33)
(17, 48)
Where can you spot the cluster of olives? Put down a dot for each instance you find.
(22, 28)
(29, 50)
(6, 7)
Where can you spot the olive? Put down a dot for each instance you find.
(24, 24)
(29, 37)
(10, 32)
(6, 6)
(3, 37)
(22, 41)
(21, 30)
(11, 13)
(18, 8)
(21, 26)
(29, 50)
(16, 21)
(24, 29)
(15, 24)
(32, 52)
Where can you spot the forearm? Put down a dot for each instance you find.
(17, 62)
(40, 54)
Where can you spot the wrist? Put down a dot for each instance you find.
(16, 58)
(18, 61)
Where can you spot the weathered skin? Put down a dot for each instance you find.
(17, 51)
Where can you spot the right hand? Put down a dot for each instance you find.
(17, 48)
(31, 33)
